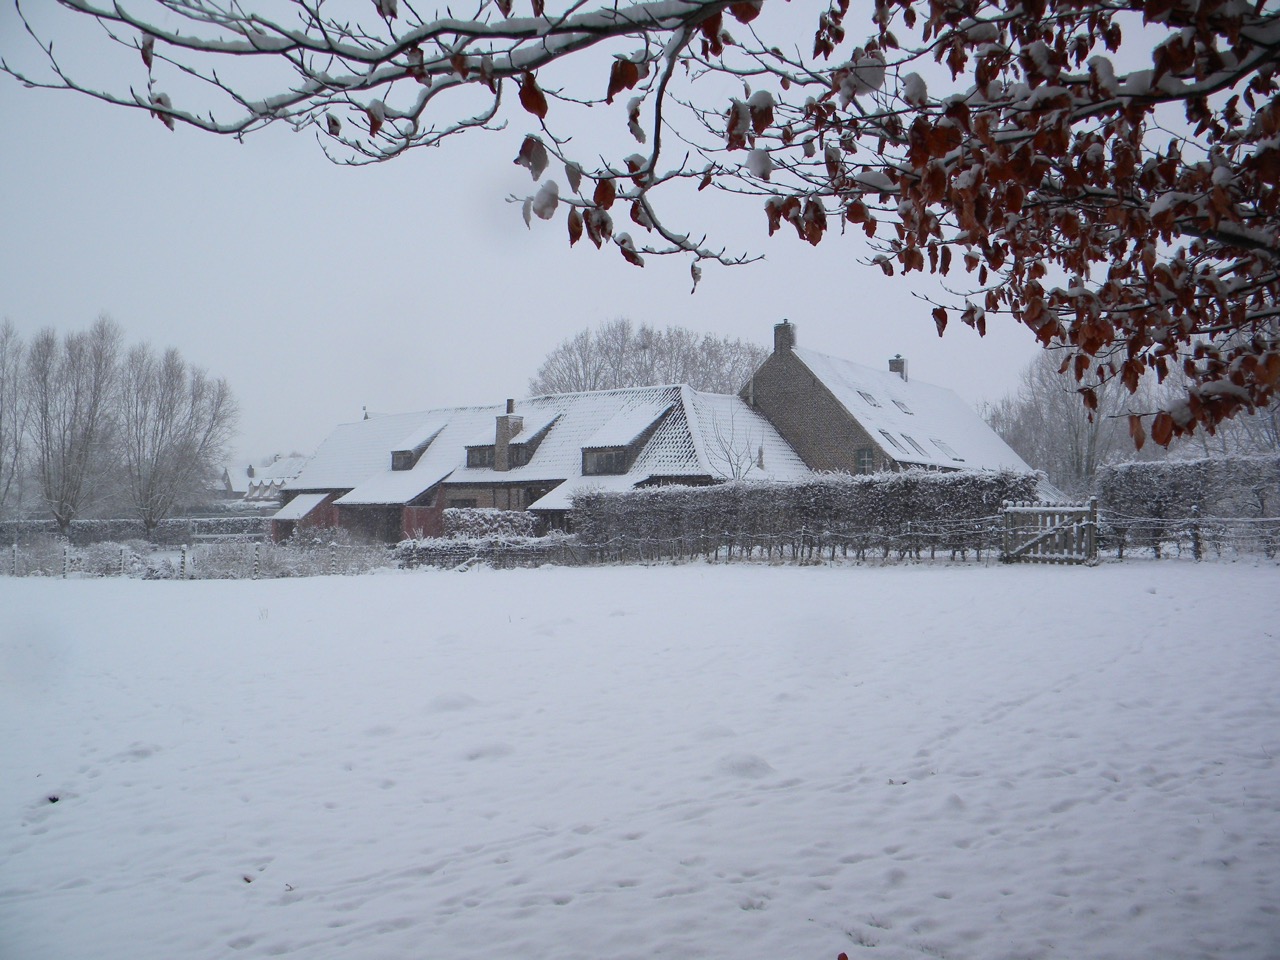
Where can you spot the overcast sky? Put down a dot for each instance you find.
(317, 290)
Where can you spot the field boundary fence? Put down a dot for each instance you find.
(1022, 532)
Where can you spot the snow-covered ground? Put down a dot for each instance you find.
(729, 762)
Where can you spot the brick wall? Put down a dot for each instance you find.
(809, 417)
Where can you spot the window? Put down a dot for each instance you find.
(479, 456)
(869, 398)
(519, 455)
(919, 449)
(904, 408)
(947, 450)
(864, 460)
(402, 459)
(462, 502)
(606, 461)
(896, 445)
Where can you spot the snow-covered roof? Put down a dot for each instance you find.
(299, 506)
(453, 429)
(694, 435)
(282, 468)
(913, 422)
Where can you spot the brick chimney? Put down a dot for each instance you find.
(784, 336)
(898, 365)
(508, 426)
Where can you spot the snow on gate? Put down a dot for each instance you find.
(1050, 533)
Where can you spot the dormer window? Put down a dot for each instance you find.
(604, 460)
(869, 398)
(480, 456)
(904, 408)
(402, 459)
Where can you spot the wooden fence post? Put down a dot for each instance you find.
(66, 559)
(257, 558)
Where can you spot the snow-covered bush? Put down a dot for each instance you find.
(496, 551)
(109, 559)
(473, 522)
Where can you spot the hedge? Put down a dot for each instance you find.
(908, 512)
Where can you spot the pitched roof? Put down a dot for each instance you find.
(693, 435)
(354, 452)
(449, 432)
(299, 506)
(913, 422)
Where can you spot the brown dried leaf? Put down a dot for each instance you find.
(606, 193)
(622, 76)
(1136, 432)
(532, 98)
(532, 156)
(1162, 429)
(575, 226)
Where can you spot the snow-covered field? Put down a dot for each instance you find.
(697, 761)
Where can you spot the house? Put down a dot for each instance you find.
(391, 477)
(262, 483)
(843, 416)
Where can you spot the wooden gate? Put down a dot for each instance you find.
(1050, 533)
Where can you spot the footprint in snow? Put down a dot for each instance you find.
(746, 765)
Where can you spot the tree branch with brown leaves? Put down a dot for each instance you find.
(1103, 172)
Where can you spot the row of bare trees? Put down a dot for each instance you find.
(87, 425)
(620, 354)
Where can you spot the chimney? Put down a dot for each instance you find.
(784, 336)
(898, 365)
(508, 426)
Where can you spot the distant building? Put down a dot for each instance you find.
(262, 483)
(391, 477)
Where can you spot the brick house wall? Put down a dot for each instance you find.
(499, 496)
(324, 515)
(806, 413)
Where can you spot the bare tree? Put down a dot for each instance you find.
(175, 422)
(1104, 172)
(13, 415)
(619, 354)
(72, 419)
(733, 449)
(1047, 426)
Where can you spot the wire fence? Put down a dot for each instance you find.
(980, 540)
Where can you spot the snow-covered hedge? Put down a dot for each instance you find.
(173, 532)
(910, 512)
(1171, 501)
(496, 551)
(206, 560)
(473, 522)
